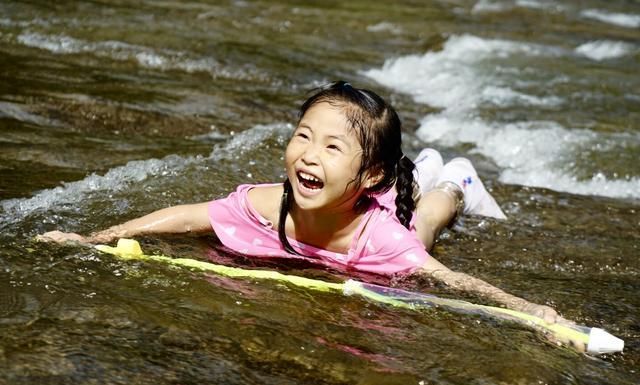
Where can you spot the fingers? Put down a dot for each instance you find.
(548, 314)
(545, 312)
(61, 237)
(565, 322)
(101, 237)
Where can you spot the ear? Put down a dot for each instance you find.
(372, 179)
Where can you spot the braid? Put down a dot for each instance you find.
(404, 185)
(285, 202)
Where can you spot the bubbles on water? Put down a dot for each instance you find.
(618, 19)
(605, 49)
(385, 26)
(76, 197)
(489, 6)
(57, 44)
(163, 59)
(485, 6)
(18, 112)
(504, 97)
(472, 74)
(459, 78)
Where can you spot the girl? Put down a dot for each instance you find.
(348, 200)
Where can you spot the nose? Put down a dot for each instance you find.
(310, 154)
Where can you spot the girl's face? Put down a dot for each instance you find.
(322, 160)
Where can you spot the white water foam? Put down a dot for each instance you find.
(504, 96)
(619, 19)
(5, 22)
(17, 112)
(453, 78)
(385, 26)
(535, 153)
(470, 73)
(605, 49)
(118, 178)
(533, 4)
(145, 56)
(487, 6)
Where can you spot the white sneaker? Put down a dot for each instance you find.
(477, 199)
(428, 167)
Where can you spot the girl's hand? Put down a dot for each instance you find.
(548, 314)
(60, 237)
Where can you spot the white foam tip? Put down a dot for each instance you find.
(350, 287)
(602, 342)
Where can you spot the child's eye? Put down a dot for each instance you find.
(302, 135)
(334, 147)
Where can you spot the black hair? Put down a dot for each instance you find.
(378, 129)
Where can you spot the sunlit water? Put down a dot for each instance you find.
(111, 109)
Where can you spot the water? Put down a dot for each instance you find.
(109, 110)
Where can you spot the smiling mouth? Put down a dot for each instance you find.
(309, 182)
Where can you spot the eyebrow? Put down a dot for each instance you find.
(341, 138)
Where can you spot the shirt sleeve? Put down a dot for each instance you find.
(225, 216)
(240, 228)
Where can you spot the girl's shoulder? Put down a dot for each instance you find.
(265, 199)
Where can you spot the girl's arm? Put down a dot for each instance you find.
(435, 210)
(177, 219)
(465, 282)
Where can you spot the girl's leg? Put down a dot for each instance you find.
(446, 192)
(435, 210)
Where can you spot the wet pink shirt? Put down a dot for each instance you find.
(384, 247)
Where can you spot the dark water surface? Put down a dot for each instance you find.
(111, 109)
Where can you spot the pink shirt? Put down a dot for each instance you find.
(385, 246)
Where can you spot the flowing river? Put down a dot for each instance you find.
(112, 109)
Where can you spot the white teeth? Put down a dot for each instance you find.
(308, 177)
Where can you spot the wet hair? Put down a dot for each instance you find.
(378, 129)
